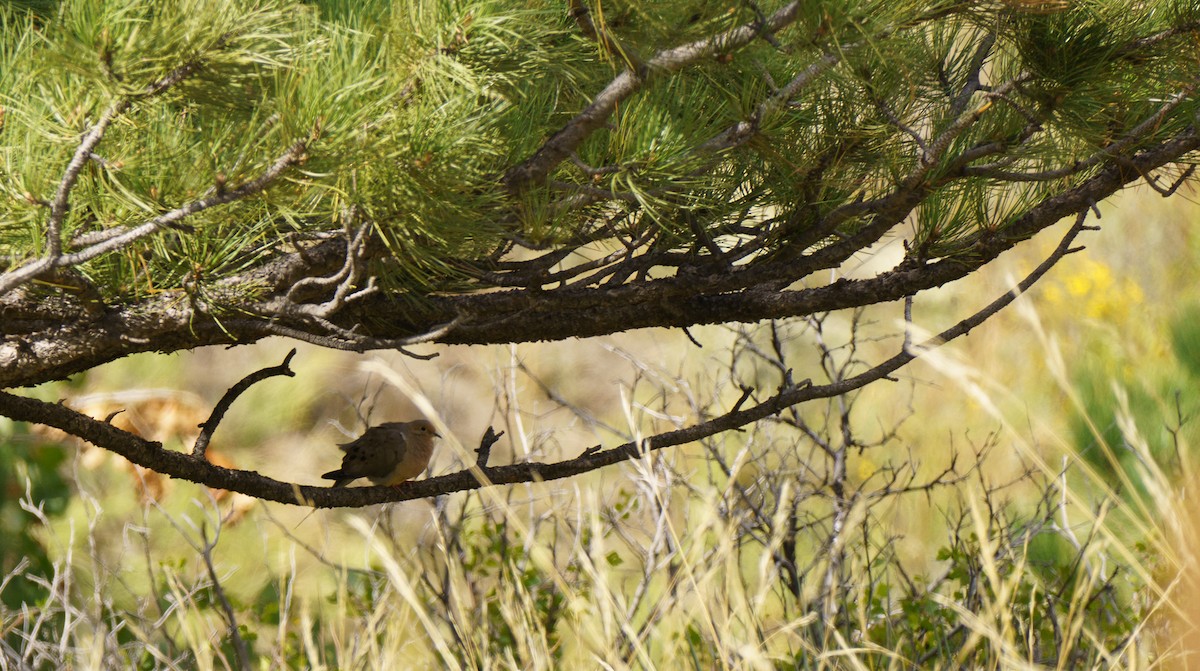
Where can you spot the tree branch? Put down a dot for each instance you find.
(12, 279)
(61, 203)
(44, 344)
(563, 143)
(723, 271)
(219, 410)
(179, 465)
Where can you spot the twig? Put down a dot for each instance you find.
(14, 278)
(490, 437)
(1174, 186)
(347, 340)
(896, 121)
(1152, 40)
(567, 140)
(218, 412)
(239, 644)
(61, 203)
(973, 84)
(747, 391)
(583, 18)
(559, 400)
(343, 280)
(740, 132)
(1111, 151)
(908, 322)
(314, 552)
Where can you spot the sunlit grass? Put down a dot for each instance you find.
(677, 560)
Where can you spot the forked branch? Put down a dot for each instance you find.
(187, 467)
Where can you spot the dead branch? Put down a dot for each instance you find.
(222, 406)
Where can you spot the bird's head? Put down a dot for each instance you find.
(422, 427)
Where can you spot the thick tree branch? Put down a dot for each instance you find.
(42, 344)
(179, 465)
(717, 267)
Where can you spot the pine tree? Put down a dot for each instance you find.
(371, 175)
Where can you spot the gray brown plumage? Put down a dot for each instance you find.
(388, 454)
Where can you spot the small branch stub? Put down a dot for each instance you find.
(490, 438)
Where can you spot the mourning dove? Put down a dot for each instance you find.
(388, 454)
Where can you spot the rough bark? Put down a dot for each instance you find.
(52, 338)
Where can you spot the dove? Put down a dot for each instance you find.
(389, 454)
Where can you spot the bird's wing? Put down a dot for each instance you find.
(373, 455)
(375, 434)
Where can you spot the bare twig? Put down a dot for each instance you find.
(344, 339)
(490, 438)
(344, 280)
(588, 418)
(1168, 191)
(218, 412)
(235, 635)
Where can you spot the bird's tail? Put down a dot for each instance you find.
(339, 478)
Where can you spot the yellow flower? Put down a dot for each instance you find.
(1093, 287)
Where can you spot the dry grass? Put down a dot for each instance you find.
(839, 536)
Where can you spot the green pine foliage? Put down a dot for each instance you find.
(413, 111)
